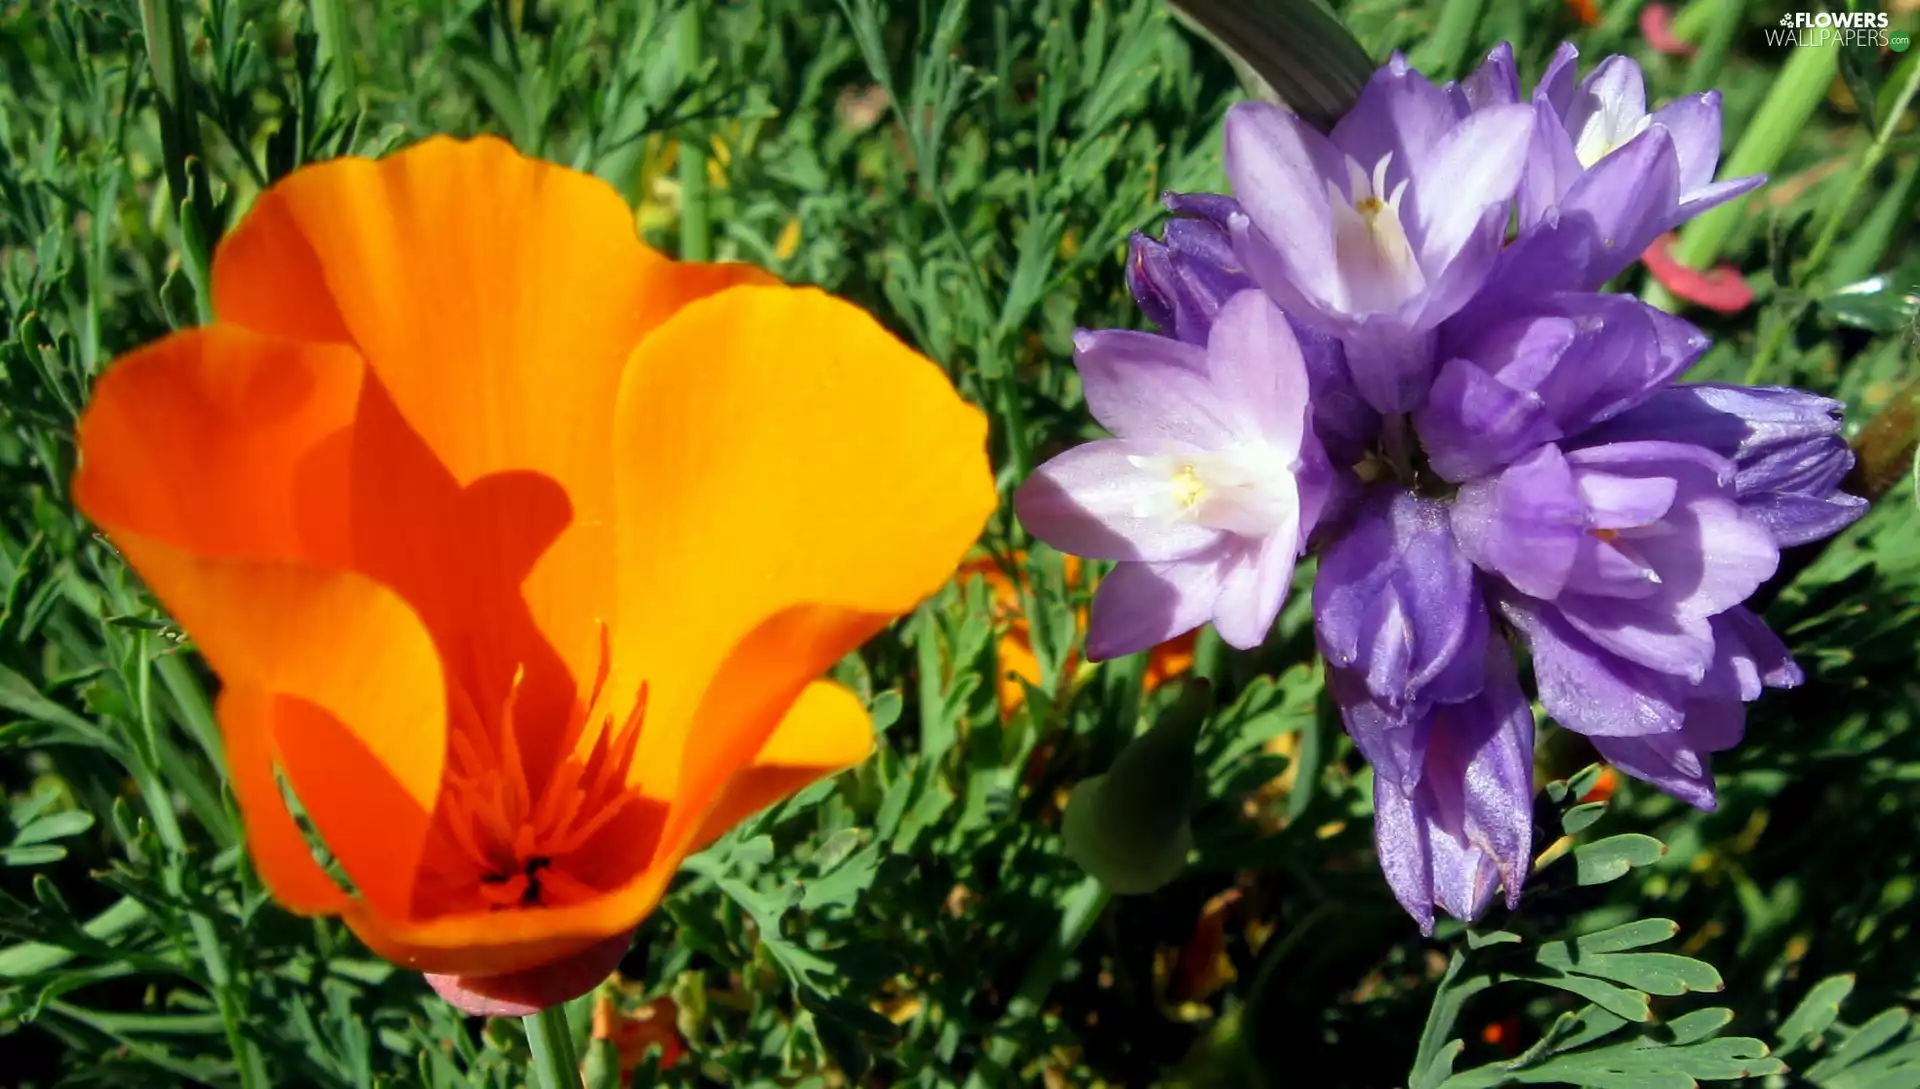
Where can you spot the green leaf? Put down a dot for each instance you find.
(1619, 1001)
(1864, 1041)
(1580, 817)
(843, 886)
(1814, 1013)
(1887, 304)
(1610, 859)
(1654, 973)
(1632, 935)
(54, 826)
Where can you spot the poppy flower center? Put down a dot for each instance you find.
(509, 840)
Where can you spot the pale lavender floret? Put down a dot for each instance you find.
(1788, 454)
(1208, 489)
(1381, 230)
(1605, 177)
(1636, 544)
(1182, 283)
(1467, 827)
(1544, 371)
(1399, 615)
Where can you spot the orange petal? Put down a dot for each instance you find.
(224, 443)
(278, 848)
(794, 477)
(216, 463)
(805, 481)
(826, 731)
(497, 298)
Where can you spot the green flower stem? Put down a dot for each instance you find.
(1440, 55)
(1880, 226)
(550, 1038)
(696, 241)
(1861, 255)
(1843, 211)
(1715, 44)
(1797, 92)
(187, 181)
(1079, 911)
(247, 1060)
(334, 24)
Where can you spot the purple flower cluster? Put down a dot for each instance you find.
(1480, 444)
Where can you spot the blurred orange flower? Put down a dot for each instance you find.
(519, 549)
(634, 1034)
(1015, 648)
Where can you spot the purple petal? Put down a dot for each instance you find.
(1556, 87)
(1213, 208)
(1257, 371)
(1399, 113)
(1642, 632)
(1694, 122)
(1468, 826)
(1395, 598)
(1588, 689)
(1141, 605)
(1392, 365)
(1495, 83)
(1710, 556)
(1462, 190)
(1552, 167)
(1712, 196)
(1344, 423)
(1145, 387)
(1279, 167)
(1619, 502)
(1525, 525)
(1402, 837)
(1751, 642)
(1485, 745)
(1671, 761)
(1473, 423)
(1151, 278)
(1696, 467)
(1254, 589)
(1606, 220)
(1088, 502)
(1615, 87)
(1800, 519)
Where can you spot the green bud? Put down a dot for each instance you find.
(1128, 828)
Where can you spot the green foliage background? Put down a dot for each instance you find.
(914, 922)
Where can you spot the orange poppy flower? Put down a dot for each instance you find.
(1015, 648)
(519, 549)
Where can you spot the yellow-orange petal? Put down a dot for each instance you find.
(215, 461)
(793, 477)
(826, 731)
(497, 298)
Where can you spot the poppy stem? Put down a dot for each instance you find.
(550, 1039)
(696, 243)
